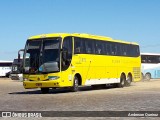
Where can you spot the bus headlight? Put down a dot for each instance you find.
(53, 77)
(25, 79)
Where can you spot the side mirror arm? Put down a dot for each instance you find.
(19, 56)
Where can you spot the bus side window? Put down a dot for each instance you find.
(119, 49)
(88, 50)
(67, 47)
(108, 48)
(100, 47)
(77, 46)
(113, 49)
(134, 50)
(124, 49)
(130, 51)
(89, 46)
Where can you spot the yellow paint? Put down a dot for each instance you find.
(88, 66)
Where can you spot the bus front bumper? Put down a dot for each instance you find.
(41, 84)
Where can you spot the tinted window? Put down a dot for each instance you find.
(89, 46)
(119, 49)
(108, 48)
(113, 48)
(5, 64)
(67, 52)
(51, 50)
(133, 50)
(137, 51)
(150, 59)
(124, 49)
(99, 47)
(79, 47)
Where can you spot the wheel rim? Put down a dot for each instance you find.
(76, 83)
(129, 80)
(122, 82)
(148, 77)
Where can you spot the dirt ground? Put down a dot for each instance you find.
(140, 96)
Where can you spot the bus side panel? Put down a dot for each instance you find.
(158, 73)
(155, 73)
(67, 77)
(78, 65)
(128, 65)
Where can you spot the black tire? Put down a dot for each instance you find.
(142, 77)
(45, 90)
(8, 75)
(75, 87)
(128, 80)
(122, 81)
(147, 76)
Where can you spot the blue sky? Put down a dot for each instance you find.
(129, 20)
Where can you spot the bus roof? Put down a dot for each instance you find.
(84, 35)
(150, 53)
(4, 61)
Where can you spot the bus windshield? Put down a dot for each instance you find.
(150, 59)
(42, 55)
(16, 66)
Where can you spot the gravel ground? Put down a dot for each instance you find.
(140, 96)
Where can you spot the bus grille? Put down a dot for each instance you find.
(137, 72)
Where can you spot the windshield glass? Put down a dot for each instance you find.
(50, 51)
(16, 66)
(40, 52)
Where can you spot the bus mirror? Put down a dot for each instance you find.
(19, 55)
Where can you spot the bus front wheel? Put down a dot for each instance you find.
(74, 88)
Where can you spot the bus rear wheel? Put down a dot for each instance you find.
(122, 81)
(75, 88)
(147, 76)
(128, 80)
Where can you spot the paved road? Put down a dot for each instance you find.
(141, 96)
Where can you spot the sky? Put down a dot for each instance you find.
(128, 20)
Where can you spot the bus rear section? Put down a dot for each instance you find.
(150, 66)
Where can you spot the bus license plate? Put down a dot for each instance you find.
(38, 84)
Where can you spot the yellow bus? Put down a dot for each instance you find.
(71, 60)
